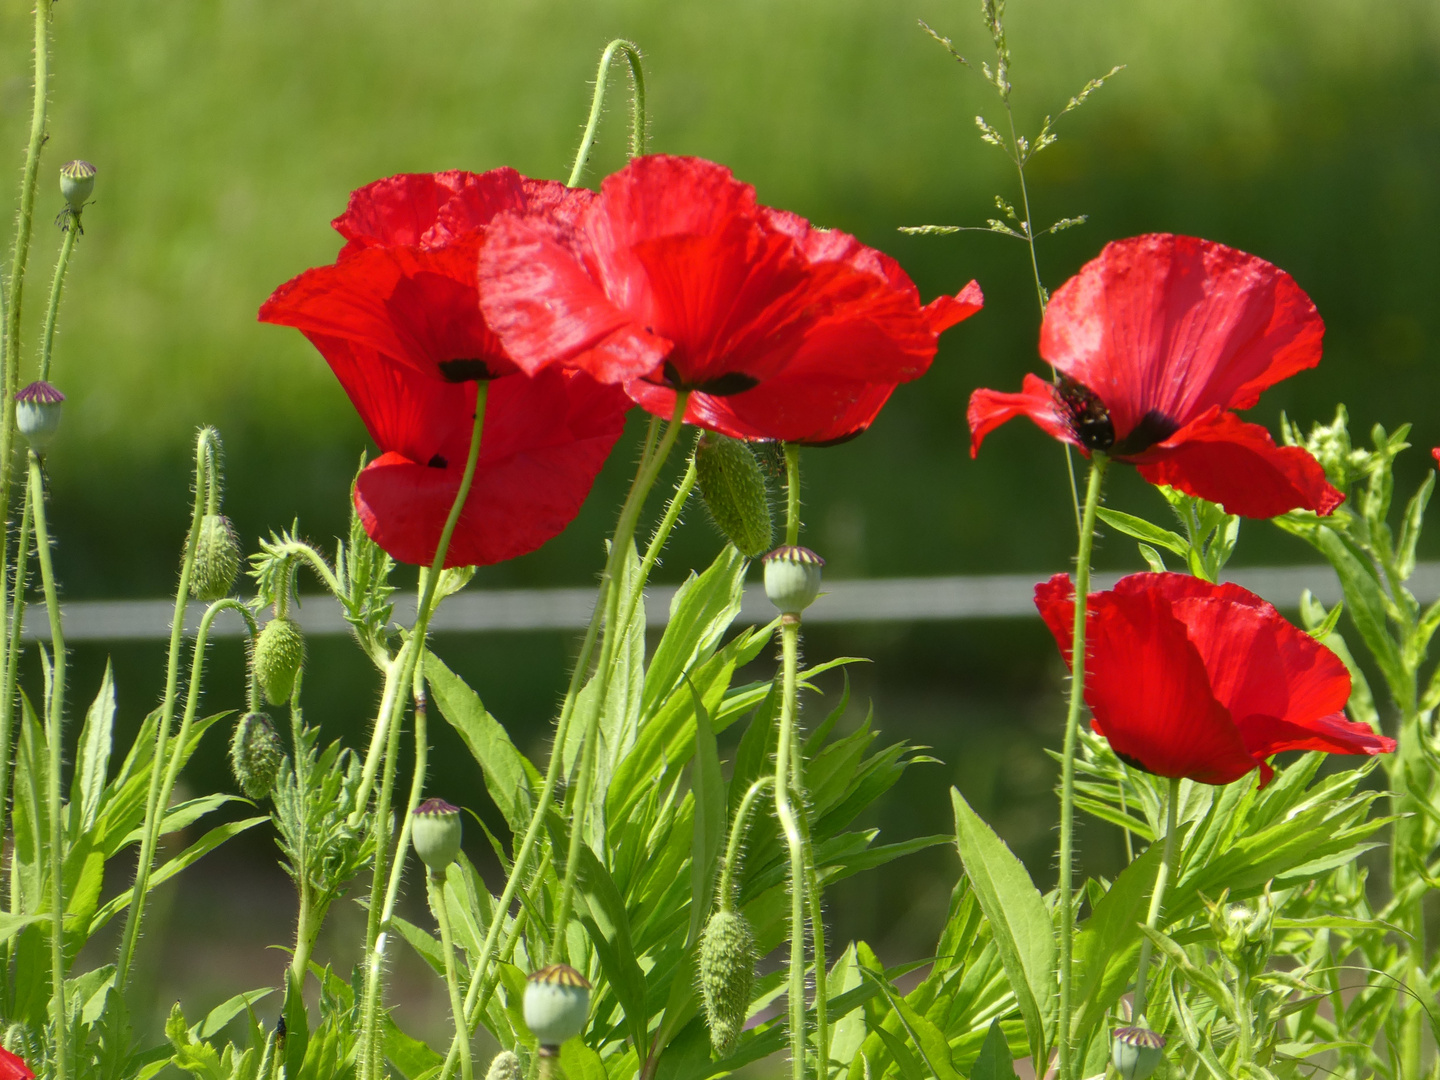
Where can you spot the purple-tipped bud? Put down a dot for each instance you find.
(1136, 1052)
(556, 1006)
(792, 578)
(77, 181)
(37, 413)
(435, 833)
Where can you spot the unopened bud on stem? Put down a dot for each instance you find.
(792, 578)
(217, 559)
(727, 976)
(1136, 1052)
(37, 414)
(77, 181)
(556, 1006)
(255, 755)
(279, 652)
(733, 487)
(435, 833)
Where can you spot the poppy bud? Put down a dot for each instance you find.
(255, 755)
(792, 578)
(435, 832)
(77, 181)
(279, 652)
(556, 1006)
(37, 413)
(217, 559)
(505, 1066)
(727, 975)
(733, 487)
(1136, 1052)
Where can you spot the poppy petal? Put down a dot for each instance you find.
(990, 408)
(1333, 734)
(1221, 458)
(945, 311)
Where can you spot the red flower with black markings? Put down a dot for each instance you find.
(1155, 341)
(1189, 679)
(676, 278)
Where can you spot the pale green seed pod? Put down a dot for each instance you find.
(556, 1005)
(727, 977)
(505, 1066)
(217, 559)
(37, 414)
(77, 181)
(435, 833)
(733, 487)
(279, 653)
(792, 578)
(1136, 1052)
(255, 755)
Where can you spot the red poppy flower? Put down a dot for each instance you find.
(13, 1067)
(1155, 341)
(398, 320)
(677, 278)
(1186, 678)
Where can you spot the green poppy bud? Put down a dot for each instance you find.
(255, 755)
(217, 559)
(556, 1006)
(792, 578)
(77, 181)
(279, 652)
(727, 976)
(37, 414)
(505, 1066)
(435, 833)
(733, 487)
(1136, 1052)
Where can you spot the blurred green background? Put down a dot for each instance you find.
(227, 133)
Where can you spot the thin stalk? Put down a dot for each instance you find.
(790, 825)
(792, 493)
(736, 843)
(661, 535)
(1098, 462)
(12, 657)
(597, 102)
(620, 546)
(381, 735)
(1157, 898)
(452, 979)
(149, 829)
(54, 726)
(47, 337)
(817, 915)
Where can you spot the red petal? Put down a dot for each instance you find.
(1175, 325)
(990, 408)
(13, 1067)
(1227, 461)
(945, 311)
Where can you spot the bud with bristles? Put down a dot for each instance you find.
(792, 578)
(255, 755)
(505, 1066)
(556, 1006)
(217, 559)
(279, 652)
(727, 976)
(37, 413)
(1136, 1052)
(733, 487)
(77, 181)
(435, 833)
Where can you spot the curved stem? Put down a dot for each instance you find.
(436, 892)
(1157, 898)
(597, 102)
(736, 844)
(790, 825)
(148, 830)
(54, 726)
(1067, 762)
(47, 338)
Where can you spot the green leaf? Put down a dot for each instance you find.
(1367, 603)
(1141, 529)
(609, 930)
(994, 1062)
(703, 607)
(924, 1036)
(408, 1054)
(709, 788)
(93, 758)
(226, 1011)
(579, 1062)
(1019, 919)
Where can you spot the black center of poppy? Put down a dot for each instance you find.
(1133, 762)
(727, 385)
(1088, 416)
(1153, 427)
(835, 441)
(464, 370)
(437, 462)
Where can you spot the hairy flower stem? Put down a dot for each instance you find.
(149, 830)
(792, 494)
(817, 913)
(620, 547)
(54, 726)
(1098, 461)
(62, 264)
(9, 676)
(786, 811)
(1157, 898)
(375, 936)
(597, 102)
(736, 844)
(436, 892)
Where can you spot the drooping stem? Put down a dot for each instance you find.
(1098, 462)
(597, 102)
(1157, 898)
(149, 829)
(54, 728)
(47, 338)
(785, 810)
(436, 891)
(736, 843)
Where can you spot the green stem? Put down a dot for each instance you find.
(817, 914)
(1098, 462)
(149, 831)
(54, 726)
(1157, 898)
(792, 493)
(47, 338)
(790, 825)
(12, 659)
(370, 1064)
(620, 547)
(597, 101)
(380, 737)
(452, 980)
(736, 844)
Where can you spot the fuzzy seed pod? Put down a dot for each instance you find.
(77, 181)
(505, 1066)
(792, 578)
(217, 559)
(255, 755)
(37, 414)
(556, 1005)
(733, 487)
(435, 833)
(279, 652)
(1136, 1052)
(727, 975)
